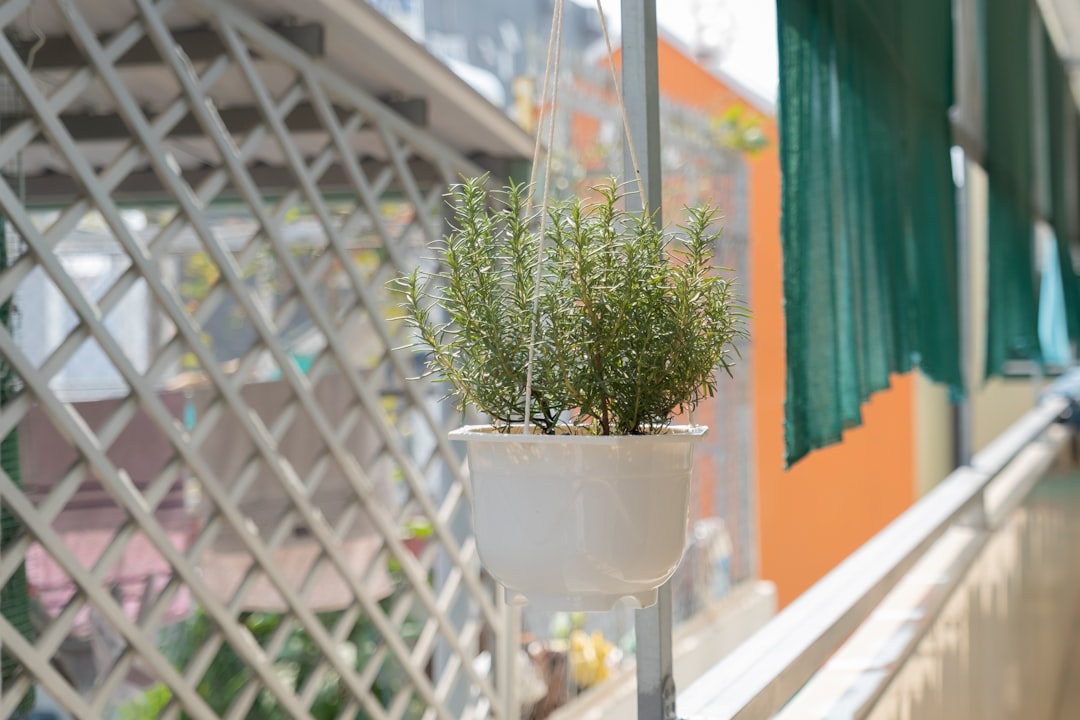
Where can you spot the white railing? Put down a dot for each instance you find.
(999, 646)
(914, 563)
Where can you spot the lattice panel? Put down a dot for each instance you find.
(253, 515)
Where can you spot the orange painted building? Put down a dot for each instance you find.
(811, 516)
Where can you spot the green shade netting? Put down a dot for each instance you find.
(1061, 120)
(1012, 309)
(14, 598)
(868, 224)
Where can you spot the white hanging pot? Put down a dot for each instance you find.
(577, 522)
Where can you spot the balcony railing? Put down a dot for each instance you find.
(962, 607)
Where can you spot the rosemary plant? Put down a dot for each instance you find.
(632, 323)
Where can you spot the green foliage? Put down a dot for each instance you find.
(151, 704)
(14, 594)
(631, 325)
(739, 128)
(200, 275)
(298, 660)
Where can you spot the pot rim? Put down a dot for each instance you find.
(487, 433)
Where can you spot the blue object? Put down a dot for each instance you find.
(1053, 327)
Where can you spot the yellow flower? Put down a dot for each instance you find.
(589, 658)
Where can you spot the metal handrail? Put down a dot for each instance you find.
(765, 672)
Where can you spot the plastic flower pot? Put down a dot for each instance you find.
(578, 522)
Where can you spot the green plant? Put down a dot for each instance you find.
(739, 128)
(631, 324)
(297, 663)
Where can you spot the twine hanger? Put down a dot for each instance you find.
(552, 72)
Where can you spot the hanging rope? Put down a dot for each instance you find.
(552, 72)
(622, 109)
(554, 38)
(554, 43)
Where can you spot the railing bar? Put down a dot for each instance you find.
(1011, 486)
(757, 678)
(993, 459)
(962, 546)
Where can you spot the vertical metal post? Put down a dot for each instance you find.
(1040, 149)
(641, 94)
(963, 424)
(968, 134)
(640, 85)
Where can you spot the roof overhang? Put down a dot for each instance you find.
(345, 37)
(368, 49)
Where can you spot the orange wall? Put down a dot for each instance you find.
(684, 81)
(814, 515)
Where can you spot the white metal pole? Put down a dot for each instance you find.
(640, 84)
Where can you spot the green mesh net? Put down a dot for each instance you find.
(1061, 120)
(14, 598)
(1012, 306)
(869, 227)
